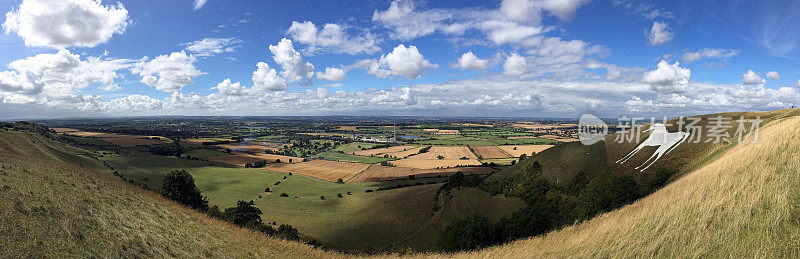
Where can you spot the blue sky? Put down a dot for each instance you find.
(71, 58)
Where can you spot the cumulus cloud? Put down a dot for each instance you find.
(512, 22)
(659, 34)
(211, 46)
(331, 39)
(267, 79)
(60, 73)
(66, 23)
(668, 78)
(168, 73)
(402, 61)
(229, 88)
(469, 61)
(292, 65)
(752, 78)
(131, 103)
(707, 53)
(332, 74)
(515, 65)
(773, 75)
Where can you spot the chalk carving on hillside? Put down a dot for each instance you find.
(661, 138)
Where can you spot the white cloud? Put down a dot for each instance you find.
(66, 23)
(267, 79)
(199, 4)
(332, 74)
(291, 62)
(515, 65)
(60, 73)
(131, 103)
(752, 78)
(168, 73)
(668, 78)
(707, 53)
(773, 75)
(659, 34)
(211, 46)
(229, 88)
(402, 61)
(331, 39)
(511, 23)
(468, 61)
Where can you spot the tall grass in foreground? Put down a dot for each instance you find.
(746, 203)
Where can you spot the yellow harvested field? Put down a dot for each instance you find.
(404, 154)
(381, 151)
(63, 130)
(434, 163)
(241, 158)
(347, 128)
(322, 169)
(489, 152)
(378, 172)
(449, 152)
(121, 139)
(522, 137)
(518, 150)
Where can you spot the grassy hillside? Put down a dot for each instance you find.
(51, 207)
(405, 216)
(745, 203)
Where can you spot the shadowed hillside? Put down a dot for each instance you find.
(51, 207)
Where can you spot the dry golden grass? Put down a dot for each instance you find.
(201, 141)
(451, 152)
(382, 151)
(434, 163)
(240, 158)
(63, 130)
(404, 154)
(488, 152)
(523, 149)
(744, 204)
(377, 172)
(322, 169)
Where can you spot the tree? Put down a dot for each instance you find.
(179, 186)
(470, 233)
(245, 213)
(288, 232)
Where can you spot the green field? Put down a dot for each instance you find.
(204, 153)
(354, 146)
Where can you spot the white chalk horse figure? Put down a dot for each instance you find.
(661, 138)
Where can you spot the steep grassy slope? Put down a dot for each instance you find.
(51, 207)
(745, 203)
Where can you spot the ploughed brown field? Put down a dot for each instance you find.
(518, 150)
(450, 152)
(382, 151)
(322, 169)
(119, 139)
(489, 152)
(241, 158)
(434, 163)
(378, 172)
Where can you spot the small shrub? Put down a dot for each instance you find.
(322, 197)
(284, 195)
